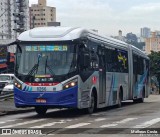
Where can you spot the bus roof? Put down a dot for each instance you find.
(59, 34)
(69, 33)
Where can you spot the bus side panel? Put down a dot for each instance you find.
(114, 81)
(138, 87)
(85, 86)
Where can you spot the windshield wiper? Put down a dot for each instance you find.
(35, 67)
(49, 68)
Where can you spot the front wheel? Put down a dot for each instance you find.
(92, 107)
(41, 110)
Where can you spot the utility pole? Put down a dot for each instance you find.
(9, 20)
(19, 16)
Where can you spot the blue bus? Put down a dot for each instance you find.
(65, 67)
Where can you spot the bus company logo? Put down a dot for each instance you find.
(6, 132)
(40, 95)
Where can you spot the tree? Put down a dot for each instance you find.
(155, 65)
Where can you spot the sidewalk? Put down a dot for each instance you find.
(7, 107)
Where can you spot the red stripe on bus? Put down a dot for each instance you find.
(41, 84)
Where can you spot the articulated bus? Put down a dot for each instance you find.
(64, 67)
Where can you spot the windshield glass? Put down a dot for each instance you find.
(47, 60)
(4, 78)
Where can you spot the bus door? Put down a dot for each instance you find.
(102, 76)
(135, 75)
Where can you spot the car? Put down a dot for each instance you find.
(6, 79)
(8, 89)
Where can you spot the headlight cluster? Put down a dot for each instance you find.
(70, 84)
(18, 85)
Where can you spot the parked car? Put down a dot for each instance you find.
(8, 89)
(6, 79)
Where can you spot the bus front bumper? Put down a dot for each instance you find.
(60, 99)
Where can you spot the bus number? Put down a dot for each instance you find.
(41, 88)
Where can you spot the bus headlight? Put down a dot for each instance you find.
(70, 84)
(18, 85)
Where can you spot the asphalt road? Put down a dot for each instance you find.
(108, 122)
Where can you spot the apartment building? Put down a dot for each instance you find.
(41, 14)
(7, 20)
(153, 43)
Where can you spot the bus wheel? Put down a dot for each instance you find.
(141, 100)
(119, 100)
(41, 110)
(92, 107)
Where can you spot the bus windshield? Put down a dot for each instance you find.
(46, 60)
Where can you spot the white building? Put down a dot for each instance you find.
(7, 24)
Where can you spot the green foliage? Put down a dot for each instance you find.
(155, 64)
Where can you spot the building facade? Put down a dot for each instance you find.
(7, 20)
(153, 43)
(41, 14)
(145, 32)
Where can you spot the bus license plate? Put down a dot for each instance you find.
(40, 100)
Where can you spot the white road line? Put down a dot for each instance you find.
(52, 123)
(148, 123)
(118, 122)
(108, 125)
(100, 119)
(23, 123)
(3, 122)
(78, 125)
(125, 120)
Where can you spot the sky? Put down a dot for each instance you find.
(108, 16)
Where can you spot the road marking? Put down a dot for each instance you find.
(23, 123)
(125, 120)
(78, 125)
(100, 119)
(3, 122)
(52, 123)
(118, 122)
(148, 123)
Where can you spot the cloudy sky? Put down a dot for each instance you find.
(108, 16)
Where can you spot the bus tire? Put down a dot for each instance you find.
(41, 110)
(141, 100)
(120, 99)
(92, 107)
